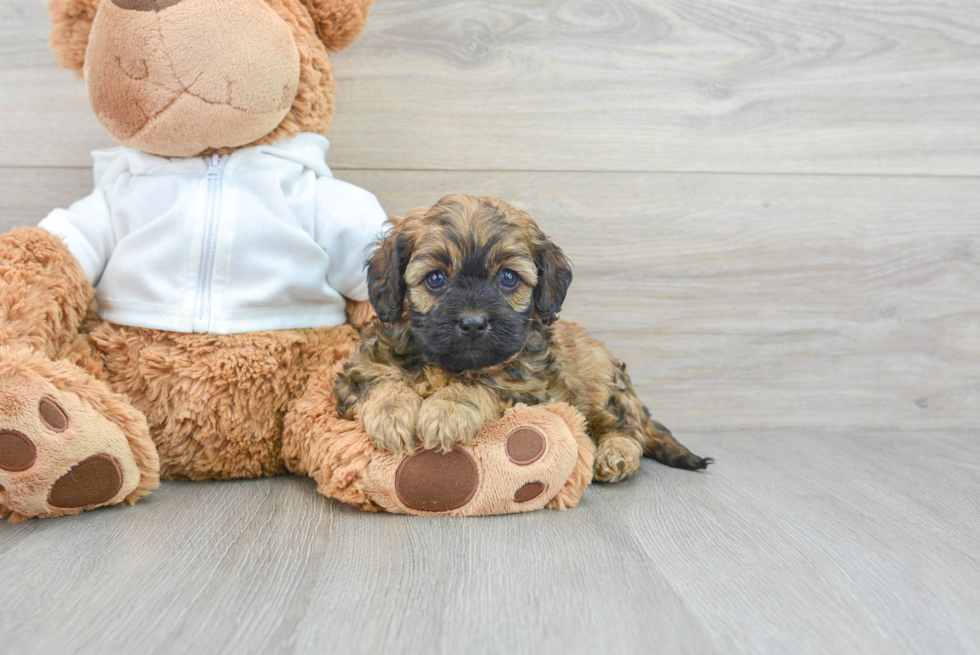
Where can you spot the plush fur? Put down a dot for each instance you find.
(153, 74)
(46, 293)
(92, 413)
(469, 291)
(99, 421)
(348, 467)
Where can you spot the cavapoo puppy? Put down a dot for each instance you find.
(468, 293)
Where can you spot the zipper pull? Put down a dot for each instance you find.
(214, 167)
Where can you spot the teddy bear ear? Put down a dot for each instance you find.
(71, 22)
(338, 22)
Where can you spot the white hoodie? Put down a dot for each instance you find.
(263, 239)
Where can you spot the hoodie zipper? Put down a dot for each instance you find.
(202, 304)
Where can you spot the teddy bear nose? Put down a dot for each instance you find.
(145, 5)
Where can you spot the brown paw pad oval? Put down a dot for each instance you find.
(90, 482)
(530, 491)
(525, 445)
(431, 481)
(17, 452)
(52, 415)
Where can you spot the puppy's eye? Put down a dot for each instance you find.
(435, 280)
(508, 278)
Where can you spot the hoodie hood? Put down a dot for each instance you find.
(307, 149)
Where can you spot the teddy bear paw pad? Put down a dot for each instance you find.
(58, 454)
(517, 464)
(92, 481)
(431, 481)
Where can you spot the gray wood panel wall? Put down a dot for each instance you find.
(774, 208)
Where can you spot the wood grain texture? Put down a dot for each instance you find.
(739, 302)
(647, 85)
(800, 542)
(644, 85)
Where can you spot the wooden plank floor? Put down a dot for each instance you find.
(774, 211)
(797, 542)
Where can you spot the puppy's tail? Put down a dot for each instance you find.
(661, 445)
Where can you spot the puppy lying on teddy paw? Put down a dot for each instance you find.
(220, 325)
(468, 292)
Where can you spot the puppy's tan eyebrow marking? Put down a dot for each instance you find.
(421, 265)
(521, 298)
(511, 253)
(524, 267)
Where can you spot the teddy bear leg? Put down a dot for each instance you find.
(67, 443)
(533, 457)
(318, 443)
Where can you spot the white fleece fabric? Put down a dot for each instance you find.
(262, 239)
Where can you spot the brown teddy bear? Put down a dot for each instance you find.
(188, 318)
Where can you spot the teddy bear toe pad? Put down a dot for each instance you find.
(58, 454)
(515, 465)
(17, 452)
(525, 445)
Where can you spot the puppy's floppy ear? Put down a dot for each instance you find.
(554, 278)
(71, 22)
(338, 22)
(386, 274)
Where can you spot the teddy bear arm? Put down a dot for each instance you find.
(44, 293)
(360, 314)
(67, 442)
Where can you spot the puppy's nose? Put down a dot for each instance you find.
(473, 324)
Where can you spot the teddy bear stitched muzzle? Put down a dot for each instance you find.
(178, 78)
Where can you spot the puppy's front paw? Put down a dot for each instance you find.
(391, 424)
(444, 423)
(616, 458)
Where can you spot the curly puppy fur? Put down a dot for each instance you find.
(469, 292)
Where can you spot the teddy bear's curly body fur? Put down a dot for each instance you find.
(92, 413)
